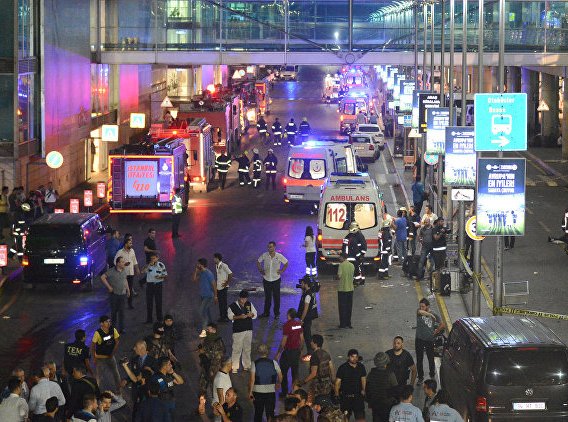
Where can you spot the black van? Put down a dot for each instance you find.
(505, 368)
(65, 249)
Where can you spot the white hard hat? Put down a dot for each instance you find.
(255, 150)
(270, 150)
(354, 227)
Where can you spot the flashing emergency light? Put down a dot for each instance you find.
(211, 88)
(84, 261)
(25, 261)
(285, 181)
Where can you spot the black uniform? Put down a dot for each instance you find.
(305, 130)
(350, 396)
(244, 164)
(439, 247)
(270, 163)
(310, 316)
(262, 127)
(256, 170)
(277, 133)
(355, 246)
(291, 130)
(222, 164)
(385, 244)
(75, 354)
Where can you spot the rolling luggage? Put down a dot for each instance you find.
(445, 283)
(410, 266)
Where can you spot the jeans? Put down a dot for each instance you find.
(401, 250)
(107, 365)
(175, 224)
(424, 253)
(117, 310)
(153, 294)
(272, 290)
(130, 280)
(264, 402)
(345, 306)
(439, 259)
(222, 297)
(222, 179)
(205, 311)
(428, 346)
(307, 326)
(290, 359)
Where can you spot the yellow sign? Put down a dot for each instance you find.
(470, 228)
(54, 159)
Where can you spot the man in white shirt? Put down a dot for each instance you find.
(221, 384)
(14, 408)
(131, 266)
(43, 390)
(224, 277)
(271, 265)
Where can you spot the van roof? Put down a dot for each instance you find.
(64, 218)
(510, 331)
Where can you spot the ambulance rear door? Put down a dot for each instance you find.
(306, 172)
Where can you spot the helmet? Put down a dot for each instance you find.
(26, 207)
(270, 150)
(305, 119)
(276, 119)
(386, 223)
(354, 227)
(255, 150)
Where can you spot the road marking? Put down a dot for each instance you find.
(418, 289)
(444, 311)
(541, 171)
(544, 226)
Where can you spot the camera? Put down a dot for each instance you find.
(313, 284)
(123, 360)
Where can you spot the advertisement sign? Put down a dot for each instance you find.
(405, 97)
(101, 189)
(437, 119)
(426, 100)
(88, 198)
(141, 178)
(500, 122)
(58, 211)
(74, 206)
(3, 255)
(501, 196)
(460, 161)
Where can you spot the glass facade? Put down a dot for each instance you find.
(316, 25)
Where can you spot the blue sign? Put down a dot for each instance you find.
(437, 119)
(501, 197)
(407, 120)
(500, 122)
(460, 160)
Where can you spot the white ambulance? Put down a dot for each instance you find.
(347, 198)
(310, 165)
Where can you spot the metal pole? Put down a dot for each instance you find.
(461, 234)
(286, 23)
(501, 45)
(424, 52)
(421, 158)
(476, 305)
(449, 202)
(480, 47)
(432, 47)
(350, 25)
(416, 46)
(442, 58)
(464, 63)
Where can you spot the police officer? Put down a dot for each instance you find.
(385, 243)
(439, 244)
(244, 163)
(270, 163)
(291, 130)
(277, 132)
(177, 209)
(262, 128)
(222, 164)
(256, 168)
(77, 354)
(167, 379)
(355, 246)
(307, 310)
(304, 129)
(264, 375)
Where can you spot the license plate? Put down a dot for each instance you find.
(359, 148)
(54, 261)
(292, 196)
(530, 406)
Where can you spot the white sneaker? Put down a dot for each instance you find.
(203, 334)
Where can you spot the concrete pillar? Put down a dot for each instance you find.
(549, 119)
(529, 85)
(565, 114)
(514, 79)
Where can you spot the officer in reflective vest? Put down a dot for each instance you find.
(305, 129)
(385, 243)
(244, 178)
(355, 246)
(256, 168)
(277, 132)
(291, 130)
(222, 164)
(261, 127)
(177, 209)
(270, 163)
(265, 374)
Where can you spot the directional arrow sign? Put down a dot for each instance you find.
(500, 122)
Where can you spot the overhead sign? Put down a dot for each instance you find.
(88, 198)
(74, 206)
(3, 255)
(461, 194)
(430, 159)
(109, 133)
(101, 190)
(166, 103)
(54, 159)
(501, 196)
(137, 120)
(437, 119)
(460, 159)
(426, 100)
(141, 178)
(471, 228)
(500, 122)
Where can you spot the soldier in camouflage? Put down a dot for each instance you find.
(211, 353)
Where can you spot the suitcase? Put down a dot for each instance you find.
(435, 281)
(455, 283)
(445, 283)
(410, 265)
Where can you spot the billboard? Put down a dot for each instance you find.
(141, 178)
(406, 91)
(459, 169)
(501, 197)
(437, 120)
(426, 100)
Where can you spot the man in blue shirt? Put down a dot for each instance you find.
(418, 195)
(113, 245)
(207, 293)
(401, 233)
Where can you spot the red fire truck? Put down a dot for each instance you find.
(143, 177)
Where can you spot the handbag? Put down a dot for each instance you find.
(439, 344)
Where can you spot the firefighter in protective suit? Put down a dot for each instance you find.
(244, 163)
(291, 130)
(304, 129)
(277, 132)
(262, 128)
(256, 168)
(355, 246)
(385, 243)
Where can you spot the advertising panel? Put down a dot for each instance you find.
(141, 177)
(437, 120)
(501, 197)
(459, 169)
(426, 100)
(405, 98)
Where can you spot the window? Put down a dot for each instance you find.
(349, 108)
(306, 169)
(527, 367)
(369, 129)
(338, 215)
(360, 139)
(54, 236)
